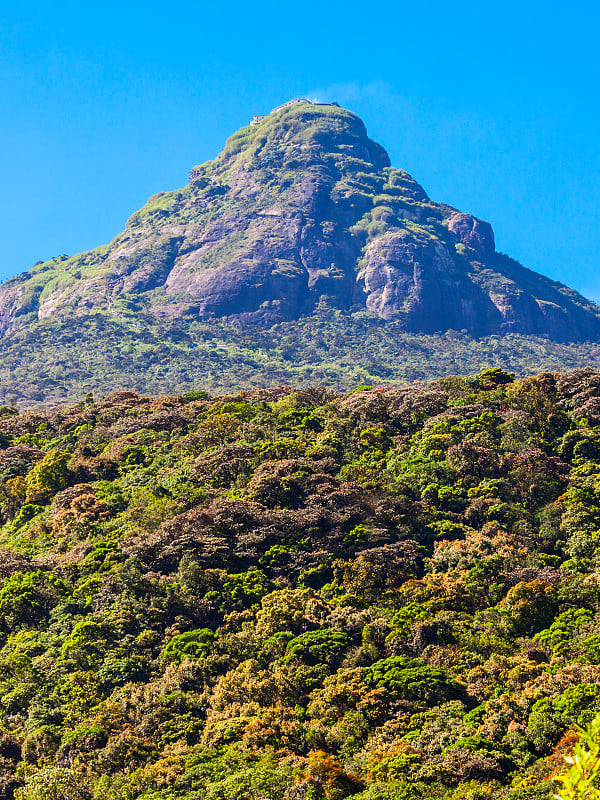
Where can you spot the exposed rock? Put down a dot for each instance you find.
(474, 233)
(299, 205)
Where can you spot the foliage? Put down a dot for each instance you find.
(61, 359)
(580, 780)
(290, 593)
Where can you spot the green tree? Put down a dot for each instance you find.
(47, 477)
(54, 783)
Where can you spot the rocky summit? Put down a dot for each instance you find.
(300, 205)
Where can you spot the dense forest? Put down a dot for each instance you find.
(296, 594)
(63, 358)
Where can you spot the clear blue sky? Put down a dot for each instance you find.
(494, 108)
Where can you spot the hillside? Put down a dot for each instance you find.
(278, 594)
(59, 359)
(300, 217)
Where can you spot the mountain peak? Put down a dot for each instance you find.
(297, 101)
(296, 134)
(299, 204)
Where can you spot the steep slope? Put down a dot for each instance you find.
(300, 206)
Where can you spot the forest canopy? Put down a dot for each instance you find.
(298, 593)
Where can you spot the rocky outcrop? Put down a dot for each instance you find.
(474, 233)
(300, 205)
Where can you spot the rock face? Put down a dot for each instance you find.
(300, 205)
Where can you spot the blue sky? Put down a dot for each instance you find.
(493, 108)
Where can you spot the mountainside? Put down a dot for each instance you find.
(301, 595)
(300, 206)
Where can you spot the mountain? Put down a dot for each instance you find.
(297, 256)
(301, 205)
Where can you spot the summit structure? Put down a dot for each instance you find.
(257, 119)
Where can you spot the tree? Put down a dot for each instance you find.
(54, 783)
(47, 477)
(580, 779)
